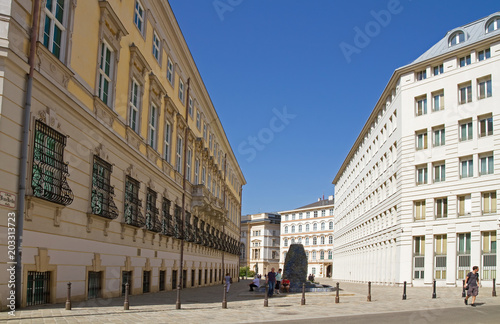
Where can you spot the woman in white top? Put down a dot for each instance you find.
(228, 281)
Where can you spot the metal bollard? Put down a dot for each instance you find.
(266, 295)
(494, 291)
(68, 297)
(126, 303)
(303, 300)
(224, 300)
(369, 298)
(178, 301)
(463, 288)
(434, 289)
(337, 298)
(404, 291)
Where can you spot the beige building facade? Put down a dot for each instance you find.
(260, 242)
(312, 226)
(129, 174)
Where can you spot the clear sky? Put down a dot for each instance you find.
(294, 81)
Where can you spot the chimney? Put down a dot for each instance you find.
(330, 197)
(319, 199)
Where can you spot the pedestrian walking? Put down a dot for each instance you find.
(278, 281)
(229, 281)
(271, 280)
(472, 285)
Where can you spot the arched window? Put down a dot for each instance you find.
(300, 240)
(315, 240)
(456, 38)
(307, 228)
(307, 241)
(314, 255)
(285, 242)
(293, 228)
(322, 226)
(330, 255)
(330, 225)
(307, 255)
(284, 256)
(330, 239)
(286, 229)
(322, 255)
(322, 240)
(300, 228)
(292, 241)
(315, 227)
(493, 24)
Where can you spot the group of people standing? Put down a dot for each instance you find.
(275, 281)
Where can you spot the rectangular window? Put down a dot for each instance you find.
(54, 26)
(418, 257)
(181, 90)
(486, 126)
(156, 47)
(102, 192)
(439, 136)
(105, 73)
(440, 247)
(421, 174)
(421, 75)
(486, 164)
(50, 172)
(466, 167)
(190, 107)
(323, 213)
(441, 207)
(315, 213)
(139, 16)
(466, 131)
(464, 205)
(489, 202)
(198, 120)
(421, 140)
(132, 203)
(489, 251)
(419, 209)
(178, 155)
(203, 175)
(134, 106)
(464, 61)
(483, 55)
(170, 72)
(438, 69)
(167, 141)
(484, 89)
(439, 172)
(153, 126)
(438, 101)
(465, 93)
(197, 171)
(188, 164)
(463, 255)
(421, 106)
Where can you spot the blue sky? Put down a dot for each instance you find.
(293, 82)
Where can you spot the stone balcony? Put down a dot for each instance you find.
(204, 203)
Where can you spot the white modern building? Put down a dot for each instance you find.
(260, 242)
(417, 193)
(312, 226)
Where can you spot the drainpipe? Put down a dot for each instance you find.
(186, 132)
(224, 220)
(23, 163)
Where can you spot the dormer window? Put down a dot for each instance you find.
(493, 24)
(457, 38)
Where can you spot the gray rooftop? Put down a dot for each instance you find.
(474, 32)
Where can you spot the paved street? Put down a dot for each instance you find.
(204, 305)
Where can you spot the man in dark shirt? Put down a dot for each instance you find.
(271, 280)
(472, 281)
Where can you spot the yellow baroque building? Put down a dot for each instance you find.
(126, 172)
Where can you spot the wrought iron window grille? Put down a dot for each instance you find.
(102, 202)
(132, 213)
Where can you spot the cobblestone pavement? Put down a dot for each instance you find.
(204, 305)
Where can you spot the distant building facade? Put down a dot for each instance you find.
(260, 242)
(417, 193)
(312, 226)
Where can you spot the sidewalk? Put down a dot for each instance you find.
(205, 305)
